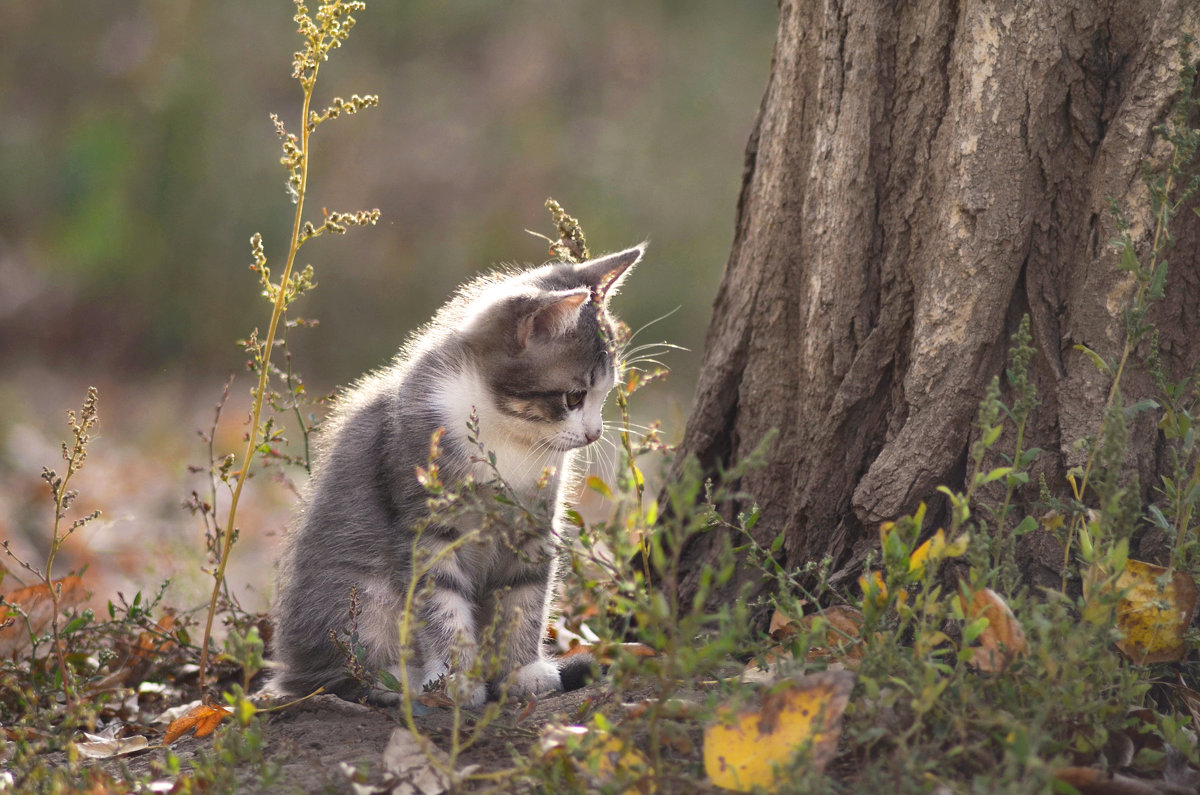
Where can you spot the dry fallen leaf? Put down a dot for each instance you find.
(1090, 781)
(782, 625)
(842, 639)
(1190, 698)
(743, 750)
(1155, 612)
(169, 715)
(151, 644)
(38, 605)
(776, 659)
(204, 718)
(1002, 641)
(840, 647)
(556, 738)
(409, 767)
(672, 708)
(98, 747)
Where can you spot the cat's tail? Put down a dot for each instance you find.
(577, 670)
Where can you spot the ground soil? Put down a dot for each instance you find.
(317, 741)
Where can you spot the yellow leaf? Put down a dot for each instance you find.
(1002, 641)
(619, 762)
(874, 588)
(612, 761)
(1053, 520)
(958, 547)
(1154, 612)
(885, 529)
(600, 487)
(744, 750)
(931, 549)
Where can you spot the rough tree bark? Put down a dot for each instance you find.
(920, 176)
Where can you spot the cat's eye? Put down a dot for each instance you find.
(574, 399)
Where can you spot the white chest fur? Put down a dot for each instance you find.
(519, 459)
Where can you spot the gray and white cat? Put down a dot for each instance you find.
(527, 357)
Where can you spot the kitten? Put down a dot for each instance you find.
(527, 359)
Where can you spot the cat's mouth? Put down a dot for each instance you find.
(566, 445)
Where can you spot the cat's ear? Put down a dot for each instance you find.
(552, 315)
(605, 274)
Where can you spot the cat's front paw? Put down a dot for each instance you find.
(538, 676)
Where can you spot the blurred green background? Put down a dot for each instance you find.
(137, 158)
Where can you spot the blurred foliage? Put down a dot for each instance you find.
(137, 157)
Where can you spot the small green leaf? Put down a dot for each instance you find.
(992, 434)
(389, 680)
(1140, 406)
(749, 518)
(1027, 524)
(1017, 479)
(1129, 260)
(1158, 282)
(1086, 548)
(1096, 358)
(1027, 456)
(954, 498)
(1159, 520)
(974, 630)
(996, 474)
(1120, 554)
(76, 624)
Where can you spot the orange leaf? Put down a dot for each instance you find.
(530, 706)
(604, 652)
(204, 718)
(151, 644)
(1154, 613)
(1002, 641)
(436, 698)
(37, 603)
(208, 723)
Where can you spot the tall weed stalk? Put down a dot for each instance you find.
(321, 33)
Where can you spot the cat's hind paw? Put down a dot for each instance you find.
(466, 692)
(539, 676)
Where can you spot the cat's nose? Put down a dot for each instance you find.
(591, 435)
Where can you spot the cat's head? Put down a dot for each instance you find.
(543, 344)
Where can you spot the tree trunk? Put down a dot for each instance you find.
(920, 176)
